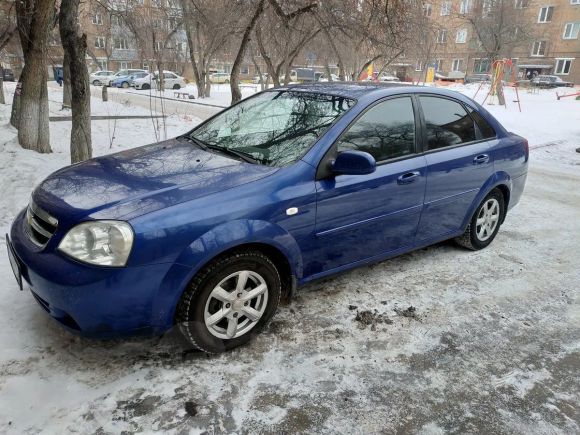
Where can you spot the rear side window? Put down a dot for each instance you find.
(487, 131)
(447, 123)
(386, 131)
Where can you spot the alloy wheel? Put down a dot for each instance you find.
(487, 219)
(236, 304)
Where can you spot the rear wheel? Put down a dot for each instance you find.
(229, 301)
(176, 86)
(146, 86)
(484, 223)
(125, 85)
(96, 82)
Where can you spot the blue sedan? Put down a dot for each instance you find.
(127, 81)
(207, 231)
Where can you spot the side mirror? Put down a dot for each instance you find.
(354, 163)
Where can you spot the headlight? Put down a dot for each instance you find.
(104, 243)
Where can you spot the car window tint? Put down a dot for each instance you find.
(447, 123)
(386, 131)
(486, 130)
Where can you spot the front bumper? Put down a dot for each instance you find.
(95, 301)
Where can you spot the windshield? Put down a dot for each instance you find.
(274, 128)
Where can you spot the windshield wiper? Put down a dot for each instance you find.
(246, 157)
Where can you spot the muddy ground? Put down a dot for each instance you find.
(490, 345)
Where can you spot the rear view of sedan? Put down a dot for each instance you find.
(207, 231)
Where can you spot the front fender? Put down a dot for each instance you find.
(213, 243)
(496, 179)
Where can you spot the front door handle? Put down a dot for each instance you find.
(482, 158)
(409, 177)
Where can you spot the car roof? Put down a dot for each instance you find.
(358, 90)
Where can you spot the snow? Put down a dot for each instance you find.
(495, 346)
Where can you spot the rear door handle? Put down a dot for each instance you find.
(482, 158)
(409, 177)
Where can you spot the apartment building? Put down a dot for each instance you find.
(545, 38)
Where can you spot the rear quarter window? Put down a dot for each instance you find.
(486, 130)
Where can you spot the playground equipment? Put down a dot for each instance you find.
(575, 94)
(497, 84)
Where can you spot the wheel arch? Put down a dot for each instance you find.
(270, 239)
(499, 180)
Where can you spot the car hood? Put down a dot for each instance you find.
(141, 180)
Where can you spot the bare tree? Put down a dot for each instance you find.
(499, 29)
(36, 19)
(74, 42)
(209, 25)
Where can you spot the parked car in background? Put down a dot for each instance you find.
(7, 75)
(547, 81)
(128, 80)
(219, 77)
(207, 231)
(256, 79)
(99, 78)
(388, 78)
(151, 81)
(334, 77)
(477, 78)
(124, 73)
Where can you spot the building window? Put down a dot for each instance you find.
(102, 64)
(145, 66)
(563, 66)
(100, 42)
(124, 65)
(441, 36)
(157, 3)
(571, 30)
(438, 64)
(545, 15)
(245, 70)
(461, 37)
(539, 48)
(457, 65)
(120, 44)
(158, 46)
(419, 66)
(445, 8)
(575, 2)
(521, 4)
(481, 66)
(427, 9)
(464, 7)
(97, 19)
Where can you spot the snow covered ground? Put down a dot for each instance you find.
(492, 345)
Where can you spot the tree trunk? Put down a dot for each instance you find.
(206, 82)
(66, 84)
(75, 45)
(32, 113)
(2, 99)
(235, 73)
(15, 111)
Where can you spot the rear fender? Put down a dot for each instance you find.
(497, 179)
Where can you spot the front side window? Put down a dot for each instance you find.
(447, 123)
(386, 131)
(275, 128)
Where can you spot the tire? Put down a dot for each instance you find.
(198, 303)
(176, 86)
(476, 236)
(227, 81)
(125, 85)
(96, 82)
(146, 86)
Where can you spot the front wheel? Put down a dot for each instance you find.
(96, 83)
(485, 222)
(229, 301)
(176, 86)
